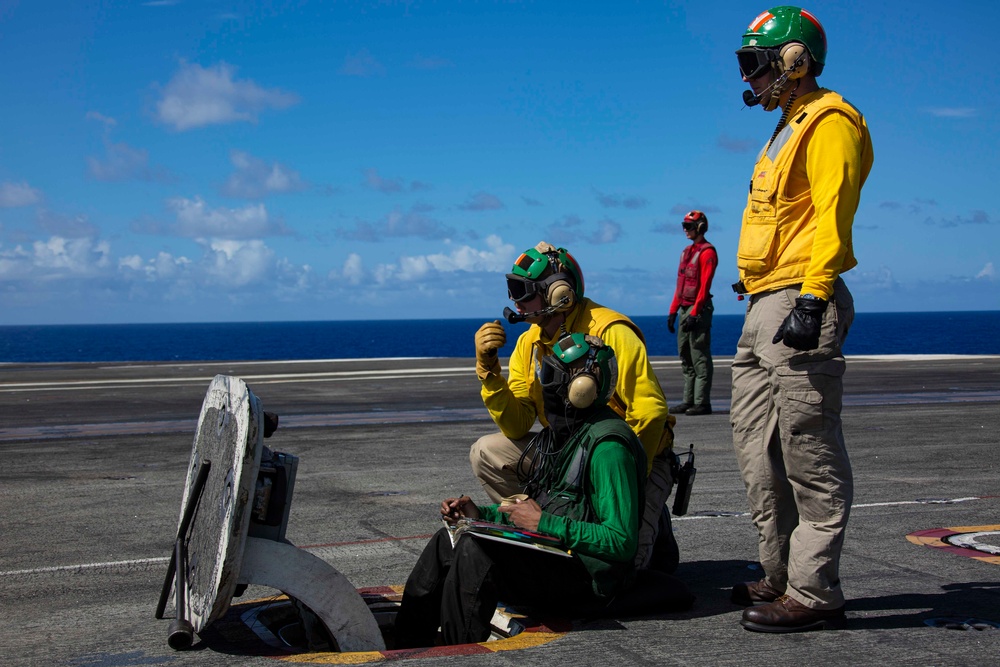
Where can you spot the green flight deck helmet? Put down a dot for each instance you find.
(779, 26)
(581, 369)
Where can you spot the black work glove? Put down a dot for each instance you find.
(671, 320)
(690, 322)
(800, 330)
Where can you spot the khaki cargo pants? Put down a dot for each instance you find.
(790, 445)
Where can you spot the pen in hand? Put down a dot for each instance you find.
(451, 509)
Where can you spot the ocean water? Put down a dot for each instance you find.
(872, 333)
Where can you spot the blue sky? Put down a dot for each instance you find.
(177, 161)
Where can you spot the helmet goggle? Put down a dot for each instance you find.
(522, 289)
(755, 61)
(522, 282)
(551, 373)
(693, 219)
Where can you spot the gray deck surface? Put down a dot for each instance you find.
(94, 457)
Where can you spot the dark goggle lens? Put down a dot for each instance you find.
(519, 289)
(550, 374)
(689, 226)
(753, 62)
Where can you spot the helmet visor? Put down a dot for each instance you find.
(552, 374)
(754, 62)
(521, 289)
(689, 226)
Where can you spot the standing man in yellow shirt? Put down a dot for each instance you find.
(795, 241)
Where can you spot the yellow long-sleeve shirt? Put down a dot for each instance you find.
(515, 402)
(803, 197)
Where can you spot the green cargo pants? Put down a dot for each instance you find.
(695, 350)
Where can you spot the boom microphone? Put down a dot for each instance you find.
(512, 315)
(515, 317)
(752, 100)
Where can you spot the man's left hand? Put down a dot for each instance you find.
(800, 330)
(453, 509)
(690, 322)
(524, 513)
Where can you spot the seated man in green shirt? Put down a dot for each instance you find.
(586, 488)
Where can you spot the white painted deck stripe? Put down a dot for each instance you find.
(361, 548)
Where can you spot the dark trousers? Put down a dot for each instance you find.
(458, 588)
(695, 350)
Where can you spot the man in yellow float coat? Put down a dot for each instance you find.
(795, 241)
(547, 287)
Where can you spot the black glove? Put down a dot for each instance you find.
(671, 320)
(690, 322)
(800, 329)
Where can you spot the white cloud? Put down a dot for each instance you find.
(55, 258)
(608, 231)
(353, 271)
(197, 96)
(496, 257)
(238, 263)
(13, 195)
(82, 280)
(254, 178)
(988, 272)
(413, 268)
(163, 267)
(952, 112)
(75, 256)
(133, 262)
(195, 219)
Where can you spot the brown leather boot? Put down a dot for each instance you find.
(789, 615)
(754, 593)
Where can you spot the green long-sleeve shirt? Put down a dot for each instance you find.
(615, 499)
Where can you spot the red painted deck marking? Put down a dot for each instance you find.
(935, 538)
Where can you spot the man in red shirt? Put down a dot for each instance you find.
(693, 302)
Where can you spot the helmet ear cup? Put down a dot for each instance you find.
(702, 226)
(558, 291)
(582, 390)
(795, 60)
